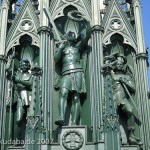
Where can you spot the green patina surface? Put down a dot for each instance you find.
(73, 75)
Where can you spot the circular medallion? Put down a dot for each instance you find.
(26, 25)
(116, 24)
(72, 140)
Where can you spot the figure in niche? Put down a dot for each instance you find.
(13, 4)
(23, 86)
(129, 7)
(123, 88)
(72, 80)
(128, 2)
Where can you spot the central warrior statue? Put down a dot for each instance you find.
(72, 81)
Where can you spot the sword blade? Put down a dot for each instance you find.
(47, 12)
(131, 99)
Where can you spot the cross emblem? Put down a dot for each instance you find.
(26, 26)
(116, 24)
(72, 140)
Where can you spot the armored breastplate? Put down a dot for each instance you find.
(71, 60)
(117, 84)
(23, 77)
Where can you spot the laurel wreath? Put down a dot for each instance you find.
(75, 15)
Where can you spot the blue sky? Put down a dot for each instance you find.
(146, 24)
(146, 20)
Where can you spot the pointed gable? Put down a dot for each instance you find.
(25, 22)
(116, 21)
(57, 6)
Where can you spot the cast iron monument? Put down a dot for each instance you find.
(73, 75)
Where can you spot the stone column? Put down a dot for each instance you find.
(4, 17)
(34, 130)
(46, 63)
(0, 13)
(2, 96)
(142, 98)
(43, 18)
(96, 78)
(142, 80)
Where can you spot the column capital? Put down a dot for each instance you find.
(3, 58)
(142, 56)
(5, 5)
(44, 29)
(97, 28)
(136, 3)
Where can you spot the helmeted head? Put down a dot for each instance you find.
(119, 65)
(25, 65)
(121, 61)
(71, 37)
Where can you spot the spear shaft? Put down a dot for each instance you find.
(11, 97)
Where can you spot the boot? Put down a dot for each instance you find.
(60, 121)
(133, 140)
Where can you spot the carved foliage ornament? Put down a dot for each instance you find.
(3, 58)
(111, 122)
(32, 123)
(72, 140)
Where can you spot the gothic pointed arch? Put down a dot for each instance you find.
(83, 6)
(116, 21)
(117, 45)
(66, 23)
(25, 22)
(25, 50)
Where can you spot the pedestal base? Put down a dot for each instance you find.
(16, 148)
(130, 147)
(85, 147)
(73, 138)
(76, 137)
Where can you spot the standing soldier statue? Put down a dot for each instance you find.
(72, 80)
(22, 80)
(123, 88)
(69, 54)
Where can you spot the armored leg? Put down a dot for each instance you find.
(76, 107)
(131, 124)
(62, 106)
(20, 112)
(128, 109)
(131, 128)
